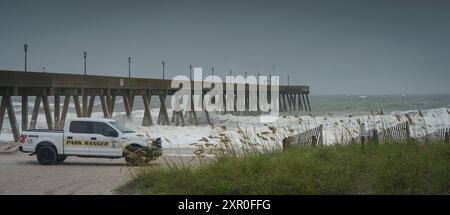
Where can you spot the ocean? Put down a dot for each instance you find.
(343, 104)
(320, 104)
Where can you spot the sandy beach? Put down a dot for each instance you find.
(22, 174)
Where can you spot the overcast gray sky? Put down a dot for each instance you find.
(336, 47)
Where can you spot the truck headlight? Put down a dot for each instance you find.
(155, 143)
(150, 143)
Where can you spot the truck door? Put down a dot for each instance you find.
(77, 137)
(105, 141)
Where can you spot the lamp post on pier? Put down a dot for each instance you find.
(163, 67)
(129, 67)
(84, 56)
(25, 48)
(190, 72)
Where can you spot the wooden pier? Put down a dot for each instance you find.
(71, 88)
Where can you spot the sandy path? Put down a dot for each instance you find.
(22, 174)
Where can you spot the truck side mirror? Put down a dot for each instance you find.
(113, 134)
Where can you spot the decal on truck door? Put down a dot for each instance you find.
(87, 143)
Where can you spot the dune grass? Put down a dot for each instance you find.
(377, 169)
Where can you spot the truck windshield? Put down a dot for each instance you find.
(121, 127)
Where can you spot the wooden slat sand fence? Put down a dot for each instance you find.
(397, 133)
(373, 136)
(438, 135)
(310, 137)
(402, 133)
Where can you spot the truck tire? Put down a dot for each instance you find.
(46, 155)
(61, 158)
(135, 155)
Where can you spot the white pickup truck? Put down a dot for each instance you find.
(85, 137)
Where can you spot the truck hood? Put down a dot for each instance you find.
(135, 136)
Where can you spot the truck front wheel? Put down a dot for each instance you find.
(61, 158)
(135, 155)
(46, 155)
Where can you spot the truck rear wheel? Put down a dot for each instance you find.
(46, 155)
